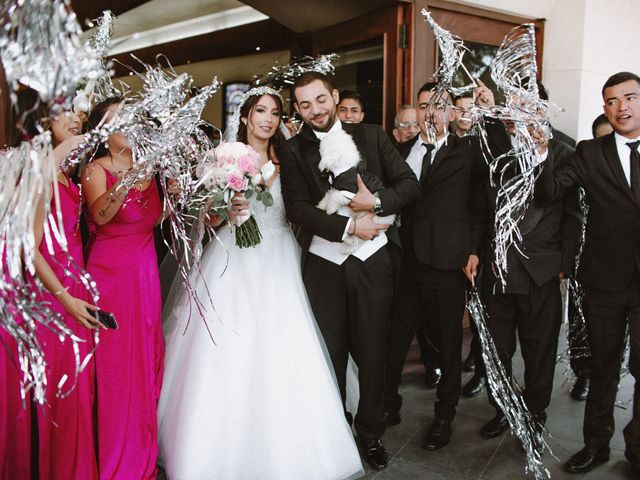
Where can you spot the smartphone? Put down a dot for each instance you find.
(107, 319)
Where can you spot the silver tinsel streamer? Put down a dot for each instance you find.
(452, 49)
(281, 75)
(514, 71)
(577, 341)
(102, 87)
(509, 400)
(41, 47)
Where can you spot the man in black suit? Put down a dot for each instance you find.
(608, 168)
(440, 234)
(350, 295)
(529, 303)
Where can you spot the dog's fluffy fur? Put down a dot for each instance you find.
(340, 156)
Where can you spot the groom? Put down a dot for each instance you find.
(350, 294)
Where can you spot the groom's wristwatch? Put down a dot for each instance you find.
(377, 206)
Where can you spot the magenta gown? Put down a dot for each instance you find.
(15, 421)
(129, 361)
(66, 443)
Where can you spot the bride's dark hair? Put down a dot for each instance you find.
(245, 112)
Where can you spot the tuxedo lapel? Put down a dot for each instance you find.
(406, 147)
(310, 147)
(611, 154)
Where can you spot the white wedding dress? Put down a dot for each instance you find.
(261, 402)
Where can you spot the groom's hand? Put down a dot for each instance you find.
(363, 200)
(367, 229)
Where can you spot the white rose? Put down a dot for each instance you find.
(256, 179)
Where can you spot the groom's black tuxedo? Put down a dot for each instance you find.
(351, 301)
(304, 185)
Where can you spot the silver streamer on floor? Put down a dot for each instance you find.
(509, 400)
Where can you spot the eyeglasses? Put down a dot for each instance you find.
(408, 124)
(440, 106)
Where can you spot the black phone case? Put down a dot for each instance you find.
(107, 319)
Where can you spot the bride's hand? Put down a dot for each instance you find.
(239, 205)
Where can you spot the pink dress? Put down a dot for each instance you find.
(66, 442)
(15, 421)
(129, 361)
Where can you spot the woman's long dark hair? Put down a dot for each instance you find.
(97, 114)
(245, 112)
(26, 119)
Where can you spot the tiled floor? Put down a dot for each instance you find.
(469, 456)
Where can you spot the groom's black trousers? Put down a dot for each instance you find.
(352, 306)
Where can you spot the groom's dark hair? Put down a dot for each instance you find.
(308, 77)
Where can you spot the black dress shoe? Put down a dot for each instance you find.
(438, 435)
(391, 419)
(374, 453)
(580, 389)
(432, 377)
(495, 427)
(474, 387)
(586, 459)
(469, 364)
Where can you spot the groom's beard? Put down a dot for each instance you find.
(322, 123)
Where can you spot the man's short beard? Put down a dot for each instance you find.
(331, 120)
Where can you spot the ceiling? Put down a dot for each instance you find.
(145, 23)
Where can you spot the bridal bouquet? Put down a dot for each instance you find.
(229, 169)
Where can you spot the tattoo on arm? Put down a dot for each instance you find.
(111, 199)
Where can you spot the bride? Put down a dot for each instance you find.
(261, 402)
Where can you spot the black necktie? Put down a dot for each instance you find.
(426, 159)
(635, 169)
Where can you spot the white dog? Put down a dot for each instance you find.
(340, 158)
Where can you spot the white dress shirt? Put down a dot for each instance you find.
(416, 155)
(332, 251)
(624, 154)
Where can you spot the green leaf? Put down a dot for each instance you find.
(248, 194)
(267, 199)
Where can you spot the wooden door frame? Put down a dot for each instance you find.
(383, 24)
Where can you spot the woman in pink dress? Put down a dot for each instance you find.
(66, 446)
(123, 263)
(15, 414)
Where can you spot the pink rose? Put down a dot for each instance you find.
(237, 182)
(247, 164)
